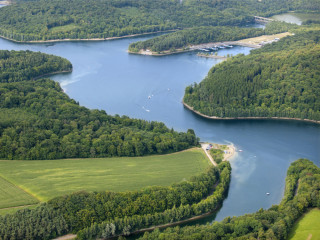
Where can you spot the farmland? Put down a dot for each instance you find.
(51, 178)
(307, 227)
(11, 195)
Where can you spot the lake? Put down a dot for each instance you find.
(106, 77)
(296, 18)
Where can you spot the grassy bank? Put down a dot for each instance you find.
(48, 179)
(307, 227)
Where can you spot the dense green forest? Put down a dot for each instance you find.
(16, 66)
(302, 192)
(39, 121)
(86, 19)
(198, 35)
(105, 214)
(279, 80)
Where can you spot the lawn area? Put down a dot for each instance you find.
(11, 195)
(307, 228)
(64, 28)
(50, 178)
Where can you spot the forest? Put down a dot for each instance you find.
(279, 80)
(198, 35)
(41, 20)
(106, 214)
(302, 192)
(39, 121)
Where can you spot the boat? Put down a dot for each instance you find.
(268, 193)
(222, 47)
(240, 150)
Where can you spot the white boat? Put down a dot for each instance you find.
(240, 150)
(268, 193)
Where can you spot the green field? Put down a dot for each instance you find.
(64, 28)
(307, 227)
(12, 210)
(51, 178)
(11, 195)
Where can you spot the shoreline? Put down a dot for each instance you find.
(254, 42)
(194, 48)
(212, 56)
(86, 39)
(229, 152)
(53, 73)
(246, 118)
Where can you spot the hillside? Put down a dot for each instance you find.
(278, 80)
(181, 40)
(301, 193)
(42, 20)
(39, 121)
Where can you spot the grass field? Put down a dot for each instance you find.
(51, 178)
(64, 28)
(308, 227)
(12, 210)
(11, 195)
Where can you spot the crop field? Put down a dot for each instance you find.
(50, 178)
(307, 227)
(12, 210)
(11, 195)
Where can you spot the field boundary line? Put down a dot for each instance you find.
(16, 185)
(19, 206)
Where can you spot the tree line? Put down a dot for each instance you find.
(39, 121)
(279, 80)
(127, 225)
(198, 35)
(103, 214)
(41, 20)
(273, 223)
(16, 66)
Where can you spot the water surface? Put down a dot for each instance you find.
(296, 18)
(106, 77)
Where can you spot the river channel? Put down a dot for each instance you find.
(106, 77)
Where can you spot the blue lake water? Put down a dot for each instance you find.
(106, 77)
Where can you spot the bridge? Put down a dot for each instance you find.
(262, 19)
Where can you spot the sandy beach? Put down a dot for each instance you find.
(229, 151)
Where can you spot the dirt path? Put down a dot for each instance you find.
(204, 147)
(309, 237)
(66, 237)
(19, 206)
(229, 152)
